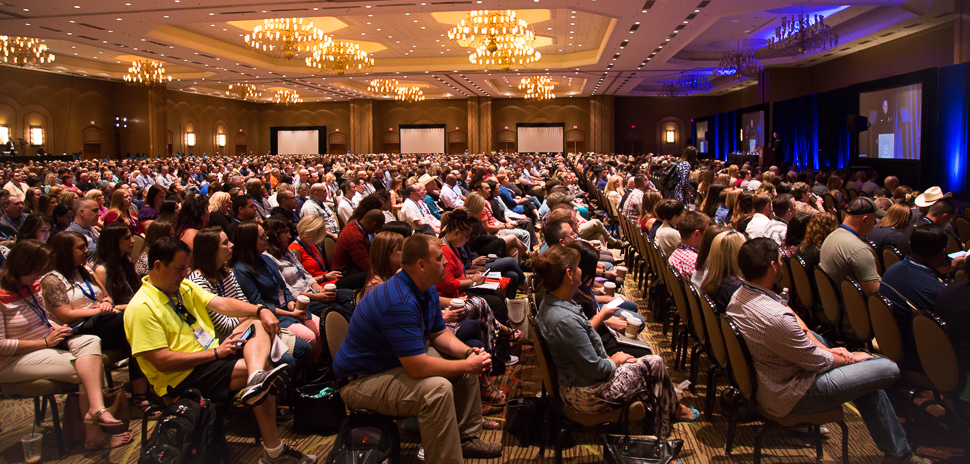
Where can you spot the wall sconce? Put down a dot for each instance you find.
(220, 140)
(190, 139)
(4, 134)
(36, 135)
(670, 135)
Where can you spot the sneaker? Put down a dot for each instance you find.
(478, 449)
(264, 383)
(421, 453)
(807, 430)
(288, 456)
(513, 360)
(909, 458)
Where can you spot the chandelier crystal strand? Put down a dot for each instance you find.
(510, 52)
(147, 72)
(243, 91)
(24, 51)
(339, 57)
(287, 97)
(482, 27)
(409, 93)
(803, 34)
(537, 88)
(383, 86)
(286, 37)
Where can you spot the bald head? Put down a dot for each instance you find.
(318, 192)
(372, 221)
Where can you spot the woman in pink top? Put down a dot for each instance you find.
(34, 347)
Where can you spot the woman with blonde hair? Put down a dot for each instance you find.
(613, 190)
(385, 259)
(50, 182)
(310, 233)
(98, 196)
(478, 208)
(67, 198)
(723, 275)
(120, 211)
(890, 228)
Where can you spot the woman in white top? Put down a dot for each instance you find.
(75, 298)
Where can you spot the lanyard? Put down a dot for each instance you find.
(86, 231)
(172, 302)
(362, 232)
(90, 293)
(38, 309)
(220, 289)
(849, 229)
(455, 251)
(312, 254)
(590, 292)
(289, 259)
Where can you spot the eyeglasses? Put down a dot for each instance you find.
(264, 237)
(184, 313)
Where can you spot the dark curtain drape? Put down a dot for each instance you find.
(813, 129)
(725, 128)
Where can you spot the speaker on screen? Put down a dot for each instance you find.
(857, 123)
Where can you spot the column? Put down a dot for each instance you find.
(961, 31)
(480, 124)
(601, 124)
(156, 122)
(361, 126)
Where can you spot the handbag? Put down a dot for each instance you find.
(639, 449)
(317, 410)
(115, 401)
(518, 309)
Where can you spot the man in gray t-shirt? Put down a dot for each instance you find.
(845, 253)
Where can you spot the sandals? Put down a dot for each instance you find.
(493, 396)
(145, 404)
(105, 442)
(96, 419)
(513, 335)
(489, 424)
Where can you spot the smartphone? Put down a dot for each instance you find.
(245, 336)
(76, 326)
(957, 254)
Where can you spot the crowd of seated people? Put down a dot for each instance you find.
(412, 241)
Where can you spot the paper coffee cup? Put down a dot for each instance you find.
(302, 302)
(596, 243)
(32, 446)
(610, 288)
(492, 256)
(620, 272)
(632, 327)
(330, 287)
(457, 303)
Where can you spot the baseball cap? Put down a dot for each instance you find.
(864, 205)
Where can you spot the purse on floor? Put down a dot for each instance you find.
(639, 449)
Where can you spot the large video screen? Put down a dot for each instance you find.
(895, 123)
(752, 131)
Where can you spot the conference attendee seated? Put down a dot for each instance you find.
(385, 259)
(756, 225)
(310, 233)
(845, 253)
(33, 346)
(210, 258)
(890, 229)
(171, 335)
(13, 211)
(913, 284)
(797, 371)
(479, 208)
(352, 254)
(593, 303)
(723, 277)
(590, 381)
(795, 234)
(314, 205)
(416, 212)
(783, 209)
(667, 238)
(393, 359)
(940, 212)
(951, 306)
(691, 228)
(243, 210)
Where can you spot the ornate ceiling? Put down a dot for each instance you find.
(588, 47)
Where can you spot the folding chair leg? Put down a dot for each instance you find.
(38, 413)
(817, 438)
(58, 437)
(711, 390)
(565, 431)
(845, 442)
(758, 437)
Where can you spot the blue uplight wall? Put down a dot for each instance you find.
(953, 122)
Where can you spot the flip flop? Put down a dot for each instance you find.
(489, 424)
(694, 411)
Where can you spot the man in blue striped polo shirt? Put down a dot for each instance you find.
(389, 361)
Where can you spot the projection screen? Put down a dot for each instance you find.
(298, 142)
(423, 139)
(540, 139)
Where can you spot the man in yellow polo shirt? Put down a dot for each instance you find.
(171, 335)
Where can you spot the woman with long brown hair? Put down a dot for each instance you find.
(385, 259)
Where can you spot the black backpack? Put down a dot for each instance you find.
(670, 177)
(366, 437)
(187, 432)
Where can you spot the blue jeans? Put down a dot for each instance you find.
(863, 384)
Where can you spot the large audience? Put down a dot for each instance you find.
(424, 253)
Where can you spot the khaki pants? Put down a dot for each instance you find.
(448, 410)
(51, 363)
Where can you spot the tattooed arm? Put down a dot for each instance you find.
(58, 303)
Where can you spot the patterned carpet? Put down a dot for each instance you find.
(704, 440)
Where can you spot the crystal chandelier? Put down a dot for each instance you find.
(740, 63)
(687, 84)
(500, 39)
(671, 89)
(383, 86)
(339, 57)
(537, 88)
(286, 37)
(803, 34)
(409, 93)
(243, 91)
(147, 72)
(287, 97)
(23, 51)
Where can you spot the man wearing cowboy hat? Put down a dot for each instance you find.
(938, 209)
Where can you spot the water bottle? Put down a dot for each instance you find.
(785, 297)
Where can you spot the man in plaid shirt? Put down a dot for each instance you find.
(631, 208)
(691, 227)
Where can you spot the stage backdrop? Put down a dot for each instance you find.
(540, 137)
(422, 138)
(299, 140)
